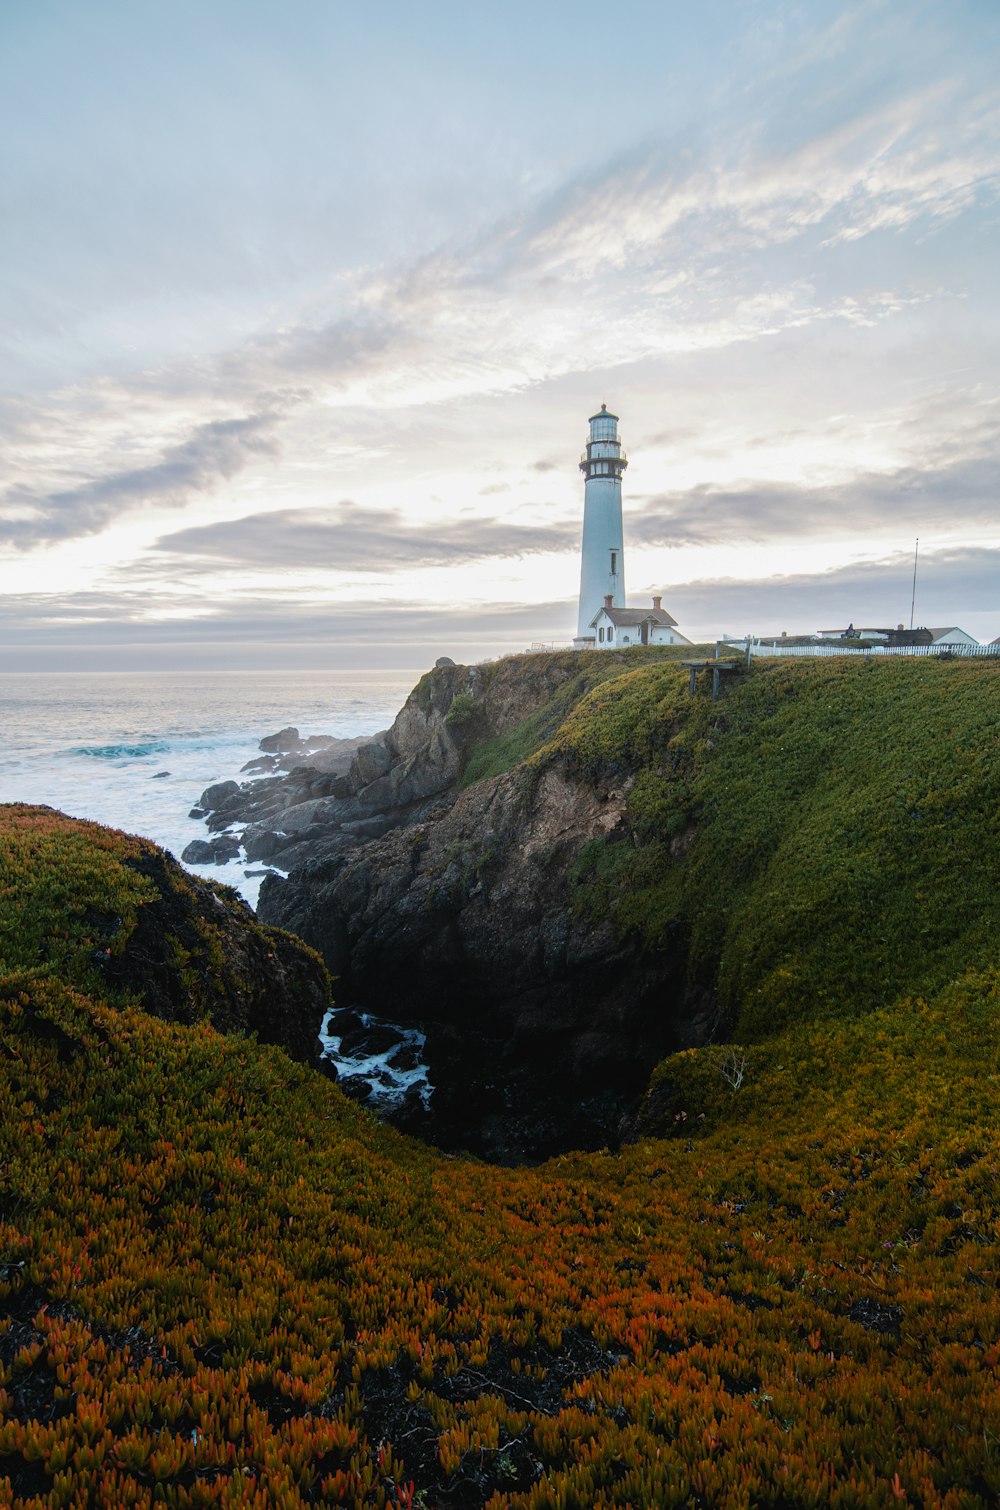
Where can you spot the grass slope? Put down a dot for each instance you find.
(559, 680)
(225, 1284)
(826, 837)
(109, 913)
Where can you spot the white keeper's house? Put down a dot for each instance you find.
(604, 621)
(617, 627)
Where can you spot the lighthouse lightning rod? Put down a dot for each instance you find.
(914, 597)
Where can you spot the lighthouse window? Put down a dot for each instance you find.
(614, 563)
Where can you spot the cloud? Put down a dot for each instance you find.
(663, 250)
(953, 587)
(951, 487)
(142, 630)
(358, 539)
(686, 203)
(213, 452)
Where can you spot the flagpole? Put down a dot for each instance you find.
(914, 597)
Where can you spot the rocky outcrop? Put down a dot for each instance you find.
(117, 918)
(215, 851)
(339, 794)
(215, 796)
(298, 771)
(198, 952)
(327, 796)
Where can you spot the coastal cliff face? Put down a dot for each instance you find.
(335, 801)
(583, 867)
(542, 1022)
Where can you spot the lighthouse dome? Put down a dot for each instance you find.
(604, 426)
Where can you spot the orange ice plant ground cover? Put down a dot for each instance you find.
(225, 1284)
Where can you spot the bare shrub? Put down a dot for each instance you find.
(733, 1068)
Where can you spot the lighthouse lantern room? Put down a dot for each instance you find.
(602, 564)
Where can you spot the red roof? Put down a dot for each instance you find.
(631, 618)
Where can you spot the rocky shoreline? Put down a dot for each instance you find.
(248, 818)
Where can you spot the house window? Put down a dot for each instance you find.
(600, 635)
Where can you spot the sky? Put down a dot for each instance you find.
(304, 306)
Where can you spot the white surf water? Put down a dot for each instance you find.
(391, 1073)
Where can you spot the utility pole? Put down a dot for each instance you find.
(913, 600)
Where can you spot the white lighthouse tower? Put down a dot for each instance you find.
(602, 564)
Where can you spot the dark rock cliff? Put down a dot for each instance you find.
(455, 909)
(542, 1025)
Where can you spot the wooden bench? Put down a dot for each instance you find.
(717, 669)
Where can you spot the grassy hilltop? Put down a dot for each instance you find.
(827, 836)
(222, 1283)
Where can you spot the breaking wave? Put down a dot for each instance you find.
(122, 751)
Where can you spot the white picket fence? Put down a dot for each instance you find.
(754, 649)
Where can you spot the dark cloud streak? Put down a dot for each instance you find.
(910, 499)
(214, 452)
(357, 539)
(953, 587)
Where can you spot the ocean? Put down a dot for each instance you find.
(136, 750)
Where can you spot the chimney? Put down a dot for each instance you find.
(900, 627)
(608, 597)
(658, 604)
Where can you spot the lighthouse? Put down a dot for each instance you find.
(602, 563)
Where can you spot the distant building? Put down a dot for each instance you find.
(951, 635)
(612, 628)
(602, 553)
(784, 638)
